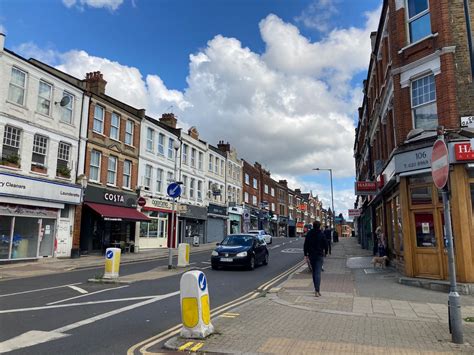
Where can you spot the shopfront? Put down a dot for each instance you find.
(216, 223)
(191, 224)
(235, 220)
(291, 227)
(254, 218)
(154, 234)
(108, 219)
(31, 210)
(282, 226)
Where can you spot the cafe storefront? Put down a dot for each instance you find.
(154, 234)
(108, 219)
(34, 214)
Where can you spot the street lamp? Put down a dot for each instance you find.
(176, 146)
(332, 194)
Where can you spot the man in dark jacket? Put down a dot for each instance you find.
(327, 235)
(315, 248)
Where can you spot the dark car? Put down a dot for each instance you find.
(244, 250)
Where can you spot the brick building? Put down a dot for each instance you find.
(282, 193)
(268, 196)
(251, 185)
(419, 77)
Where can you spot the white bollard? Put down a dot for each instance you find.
(112, 263)
(195, 306)
(183, 255)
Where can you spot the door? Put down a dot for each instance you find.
(64, 239)
(215, 230)
(47, 237)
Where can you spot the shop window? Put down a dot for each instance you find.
(11, 142)
(64, 213)
(98, 125)
(94, 170)
(112, 170)
(127, 173)
(115, 126)
(149, 139)
(44, 98)
(40, 146)
(25, 238)
(159, 180)
(129, 132)
(425, 233)
(423, 102)
(64, 152)
(5, 236)
(67, 110)
(421, 195)
(16, 90)
(161, 144)
(419, 23)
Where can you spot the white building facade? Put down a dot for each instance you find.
(40, 120)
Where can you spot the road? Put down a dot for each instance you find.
(63, 313)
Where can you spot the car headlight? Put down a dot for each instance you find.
(214, 253)
(241, 254)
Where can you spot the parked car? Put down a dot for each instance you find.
(245, 250)
(262, 234)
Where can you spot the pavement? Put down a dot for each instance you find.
(48, 266)
(362, 310)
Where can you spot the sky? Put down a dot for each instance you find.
(280, 80)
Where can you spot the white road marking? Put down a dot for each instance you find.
(207, 267)
(205, 262)
(80, 304)
(78, 289)
(89, 294)
(35, 337)
(39, 289)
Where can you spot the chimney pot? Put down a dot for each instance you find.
(95, 82)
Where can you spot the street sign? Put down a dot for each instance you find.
(440, 164)
(202, 281)
(109, 254)
(354, 213)
(141, 201)
(365, 188)
(174, 190)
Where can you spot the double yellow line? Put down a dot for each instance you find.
(146, 344)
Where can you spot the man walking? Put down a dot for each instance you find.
(315, 248)
(327, 235)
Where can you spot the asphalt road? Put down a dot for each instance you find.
(63, 313)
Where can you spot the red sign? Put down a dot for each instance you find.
(141, 201)
(303, 207)
(380, 181)
(365, 188)
(440, 164)
(463, 151)
(354, 213)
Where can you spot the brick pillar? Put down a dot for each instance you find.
(76, 236)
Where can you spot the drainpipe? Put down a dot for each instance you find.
(469, 35)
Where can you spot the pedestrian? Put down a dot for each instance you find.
(380, 241)
(327, 235)
(315, 249)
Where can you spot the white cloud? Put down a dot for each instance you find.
(98, 4)
(289, 108)
(318, 15)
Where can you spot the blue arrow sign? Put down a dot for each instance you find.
(202, 281)
(174, 190)
(109, 254)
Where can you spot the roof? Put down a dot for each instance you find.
(175, 131)
(217, 150)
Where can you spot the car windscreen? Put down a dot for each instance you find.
(241, 240)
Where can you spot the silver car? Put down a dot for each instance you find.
(263, 235)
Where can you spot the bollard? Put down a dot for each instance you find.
(195, 306)
(112, 263)
(183, 255)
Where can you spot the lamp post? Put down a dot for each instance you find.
(176, 146)
(332, 194)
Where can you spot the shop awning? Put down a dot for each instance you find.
(116, 213)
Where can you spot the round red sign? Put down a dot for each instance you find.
(440, 164)
(141, 201)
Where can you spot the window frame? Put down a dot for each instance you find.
(49, 99)
(200, 160)
(255, 183)
(96, 119)
(425, 104)
(161, 144)
(211, 163)
(170, 148)
(193, 157)
(199, 190)
(113, 127)
(16, 85)
(129, 134)
(37, 147)
(67, 108)
(147, 178)
(185, 154)
(94, 166)
(159, 180)
(61, 152)
(150, 139)
(110, 171)
(192, 186)
(247, 179)
(410, 20)
(126, 177)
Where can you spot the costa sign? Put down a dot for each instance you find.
(365, 188)
(463, 152)
(113, 197)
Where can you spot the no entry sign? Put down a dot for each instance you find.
(440, 164)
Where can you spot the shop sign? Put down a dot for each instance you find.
(302, 207)
(20, 211)
(157, 203)
(37, 189)
(467, 121)
(110, 197)
(354, 213)
(299, 224)
(413, 160)
(182, 209)
(216, 209)
(380, 182)
(195, 212)
(363, 188)
(463, 151)
(235, 210)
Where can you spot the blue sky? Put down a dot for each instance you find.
(224, 65)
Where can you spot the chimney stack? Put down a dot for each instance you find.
(283, 182)
(298, 191)
(141, 113)
(2, 41)
(95, 83)
(169, 120)
(223, 147)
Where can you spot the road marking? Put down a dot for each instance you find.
(206, 262)
(26, 339)
(232, 314)
(78, 289)
(89, 294)
(207, 267)
(185, 346)
(38, 290)
(197, 347)
(229, 315)
(83, 304)
(293, 251)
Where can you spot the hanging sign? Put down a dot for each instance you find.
(365, 188)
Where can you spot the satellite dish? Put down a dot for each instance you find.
(65, 101)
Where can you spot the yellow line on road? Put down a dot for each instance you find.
(197, 347)
(185, 346)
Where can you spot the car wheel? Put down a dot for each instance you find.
(265, 259)
(251, 265)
